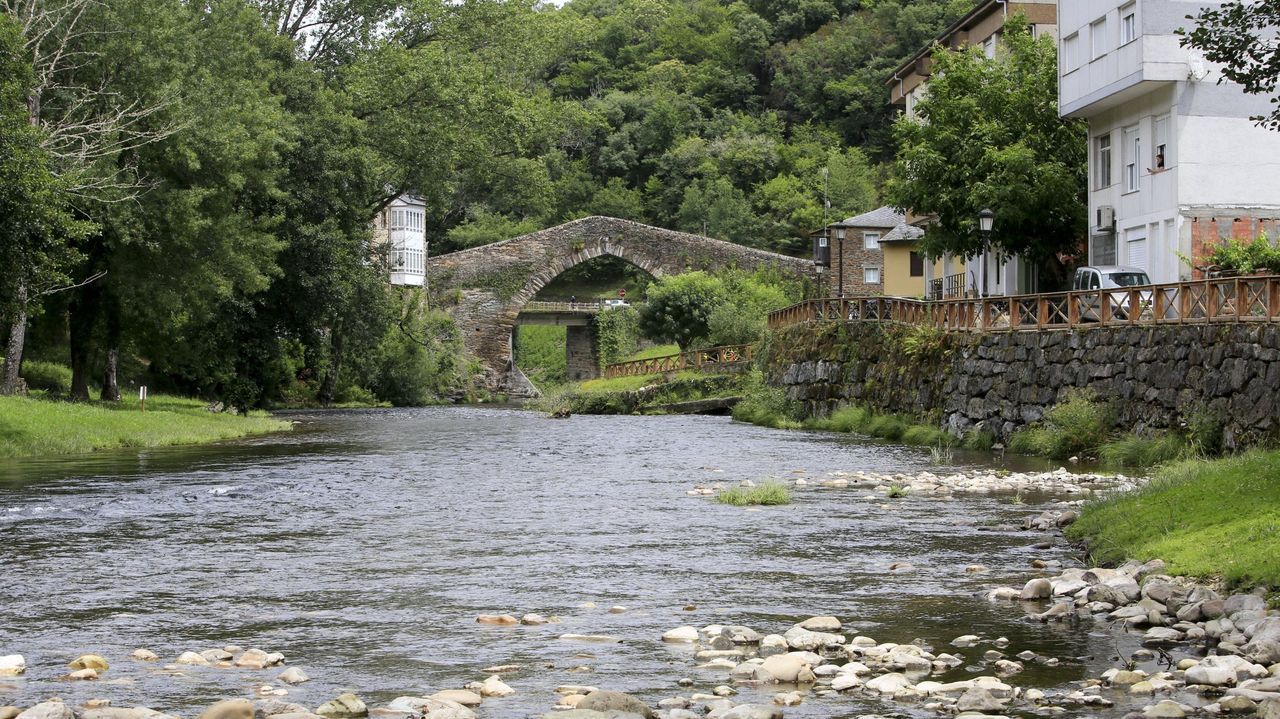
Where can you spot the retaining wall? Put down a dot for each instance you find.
(1154, 377)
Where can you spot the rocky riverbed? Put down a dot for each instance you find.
(459, 563)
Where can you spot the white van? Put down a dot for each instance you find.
(1110, 277)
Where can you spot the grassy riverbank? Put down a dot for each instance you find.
(646, 394)
(1205, 518)
(37, 427)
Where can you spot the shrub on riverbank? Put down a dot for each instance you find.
(1205, 518)
(767, 406)
(768, 494)
(1079, 424)
(48, 376)
(37, 427)
(893, 427)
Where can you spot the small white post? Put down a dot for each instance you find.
(142, 397)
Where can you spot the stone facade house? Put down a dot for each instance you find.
(1175, 163)
(875, 253)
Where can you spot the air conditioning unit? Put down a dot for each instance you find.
(1106, 218)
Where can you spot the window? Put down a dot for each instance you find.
(822, 241)
(1160, 158)
(1128, 23)
(1098, 39)
(871, 240)
(1103, 251)
(1136, 248)
(989, 47)
(871, 275)
(1071, 59)
(1102, 158)
(1132, 151)
(917, 264)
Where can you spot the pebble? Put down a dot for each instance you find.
(144, 655)
(501, 620)
(12, 665)
(293, 675)
(89, 661)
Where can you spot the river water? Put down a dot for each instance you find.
(364, 544)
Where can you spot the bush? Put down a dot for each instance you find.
(767, 406)
(417, 361)
(769, 493)
(48, 376)
(1134, 451)
(1076, 425)
(1245, 257)
(978, 440)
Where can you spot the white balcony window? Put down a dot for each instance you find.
(871, 240)
(1102, 161)
(1128, 23)
(1132, 151)
(1071, 58)
(1160, 159)
(1098, 39)
(871, 275)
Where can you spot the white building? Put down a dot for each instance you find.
(1175, 163)
(402, 225)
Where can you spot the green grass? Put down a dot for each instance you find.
(628, 384)
(1205, 518)
(540, 353)
(768, 494)
(1134, 451)
(892, 427)
(38, 427)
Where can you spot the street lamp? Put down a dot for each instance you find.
(986, 220)
(840, 239)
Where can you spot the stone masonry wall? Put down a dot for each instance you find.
(1154, 377)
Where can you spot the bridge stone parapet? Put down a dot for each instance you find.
(485, 288)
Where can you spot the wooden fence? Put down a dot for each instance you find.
(1251, 298)
(716, 358)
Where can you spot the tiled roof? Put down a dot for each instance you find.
(903, 233)
(880, 217)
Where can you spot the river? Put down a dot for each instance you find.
(364, 544)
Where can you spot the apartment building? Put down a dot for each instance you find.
(1175, 163)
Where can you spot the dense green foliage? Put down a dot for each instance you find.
(47, 376)
(617, 334)
(36, 427)
(540, 354)
(1244, 257)
(697, 309)
(225, 161)
(1205, 518)
(989, 136)
(1076, 425)
(1240, 37)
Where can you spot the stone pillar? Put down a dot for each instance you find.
(580, 353)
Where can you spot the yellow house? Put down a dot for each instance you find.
(903, 261)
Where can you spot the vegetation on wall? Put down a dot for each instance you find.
(617, 334)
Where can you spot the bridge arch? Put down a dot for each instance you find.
(486, 287)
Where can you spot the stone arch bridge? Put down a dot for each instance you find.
(486, 288)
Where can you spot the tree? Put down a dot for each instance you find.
(1241, 37)
(36, 221)
(989, 136)
(678, 308)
